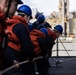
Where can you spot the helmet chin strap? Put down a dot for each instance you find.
(9, 5)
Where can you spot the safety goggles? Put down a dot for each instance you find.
(56, 31)
(23, 14)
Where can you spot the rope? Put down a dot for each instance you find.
(4, 71)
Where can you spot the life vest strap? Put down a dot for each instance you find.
(14, 46)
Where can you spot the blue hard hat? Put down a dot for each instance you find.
(25, 9)
(59, 28)
(37, 14)
(20, 2)
(44, 30)
(41, 18)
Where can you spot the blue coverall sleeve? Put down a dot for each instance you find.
(22, 33)
(35, 24)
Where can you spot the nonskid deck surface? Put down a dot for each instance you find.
(62, 66)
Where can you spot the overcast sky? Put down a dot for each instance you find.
(48, 6)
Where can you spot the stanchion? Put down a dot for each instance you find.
(57, 48)
(57, 61)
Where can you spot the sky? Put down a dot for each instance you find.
(48, 6)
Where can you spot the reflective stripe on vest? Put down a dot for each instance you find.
(14, 46)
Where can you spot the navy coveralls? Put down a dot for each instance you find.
(27, 51)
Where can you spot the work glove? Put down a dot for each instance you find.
(16, 63)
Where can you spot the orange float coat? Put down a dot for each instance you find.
(13, 39)
(34, 35)
(52, 33)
